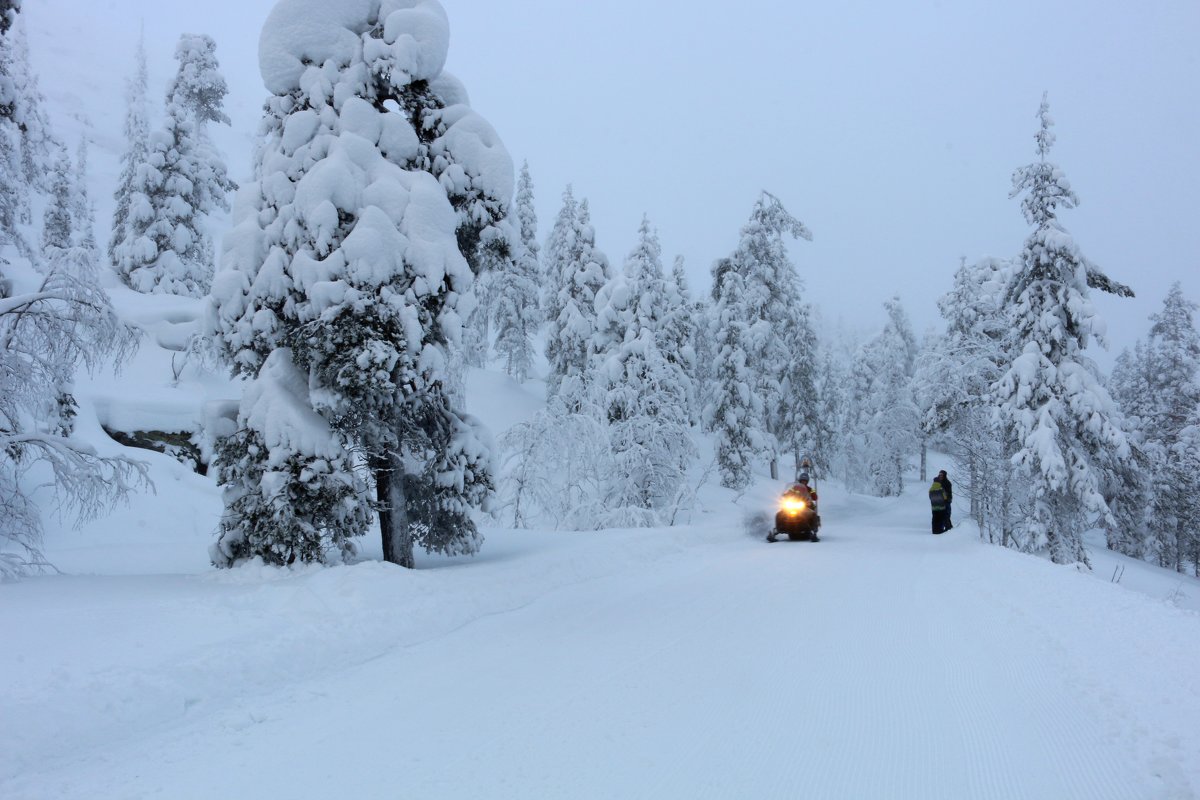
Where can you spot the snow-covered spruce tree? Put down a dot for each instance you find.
(516, 310)
(376, 189)
(705, 350)
(184, 180)
(14, 194)
(57, 225)
(24, 135)
(677, 335)
(580, 272)
(1160, 389)
(53, 319)
(951, 387)
(82, 211)
(1064, 429)
(165, 251)
(856, 417)
(290, 489)
(131, 195)
(826, 445)
(888, 416)
(802, 430)
(477, 328)
(772, 304)
(559, 242)
(39, 148)
(494, 258)
(199, 88)
(1186, 456)
(198, 84)
(735, 413)
(1132, 386)
(642, 395)
(59, 247)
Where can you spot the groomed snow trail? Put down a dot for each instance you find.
(882, 662)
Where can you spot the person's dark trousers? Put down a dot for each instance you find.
(947, 523)
(939, 521)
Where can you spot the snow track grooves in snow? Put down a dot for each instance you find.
(882, 662)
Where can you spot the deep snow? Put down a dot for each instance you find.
(687, 662)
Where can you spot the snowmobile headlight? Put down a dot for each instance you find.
(793, 505)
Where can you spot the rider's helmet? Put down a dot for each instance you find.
(803, 477)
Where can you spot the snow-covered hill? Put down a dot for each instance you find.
(695, 661)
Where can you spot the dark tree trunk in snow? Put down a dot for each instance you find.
(393, 511)
(924, 459)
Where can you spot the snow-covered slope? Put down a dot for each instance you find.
(687, 662)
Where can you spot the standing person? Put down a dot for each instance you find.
(945, 482)
(938, 503)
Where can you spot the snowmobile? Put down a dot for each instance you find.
(797, 518)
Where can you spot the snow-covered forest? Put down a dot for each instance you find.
(384, 245)
(369, 351)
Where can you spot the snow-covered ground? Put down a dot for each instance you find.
(695, 661)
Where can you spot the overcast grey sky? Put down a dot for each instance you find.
(891, 130)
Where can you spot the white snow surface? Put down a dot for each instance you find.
(303, 33)
(694, 661)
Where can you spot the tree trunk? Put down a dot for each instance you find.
(924, 459)
(775, 468)
(393, 511)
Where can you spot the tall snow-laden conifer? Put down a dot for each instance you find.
(14, 194)
(557, 250)
(891, 418)
(199, 89)
(39, 148)
(677, 335)
(1186, 455)
(184, 180)
(735, 412)
(802, 430)
(771, 304)
(132, 212)
(580, 272)
(642, 394)
(26, 143)
(1160, 389)
(1063, 427)
(705, 349)
(57, 225)
(516, 311)
(377, 189)
(82, 211)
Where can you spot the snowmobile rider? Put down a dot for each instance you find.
(802, 490)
